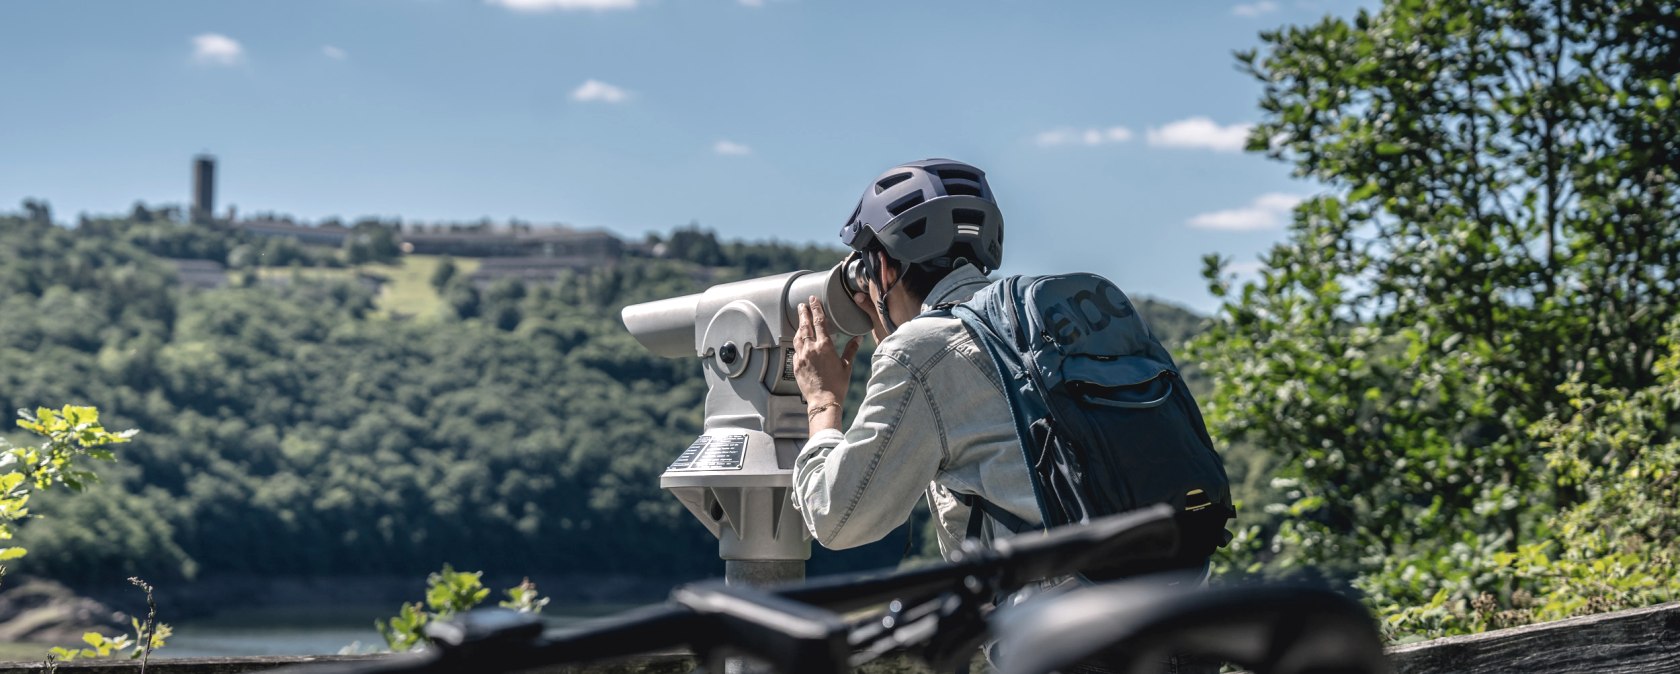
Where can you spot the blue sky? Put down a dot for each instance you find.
(1108, 129)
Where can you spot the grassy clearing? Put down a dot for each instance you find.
(407, 291)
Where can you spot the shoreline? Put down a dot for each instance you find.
(187, 600)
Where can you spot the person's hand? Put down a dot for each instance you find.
(877, 328)
(822, 374)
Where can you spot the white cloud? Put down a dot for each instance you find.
(1268, 211)
(1254, 9)
(334, 53)
(215, 49)
(564, 5)
(730, 148)
(1201, 133)
(752, 3)
(596, 91)
(1093, 136)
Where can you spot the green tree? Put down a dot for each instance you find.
(462, 297)
(444, 272)
(696, 245)
(372, 241)
(1500, 217)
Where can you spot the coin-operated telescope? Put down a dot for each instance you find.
(738, 475)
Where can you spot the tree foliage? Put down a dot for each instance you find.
(1617, 548)
(1500, 219)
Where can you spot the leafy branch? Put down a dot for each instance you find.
(449, 592)
(71, 433)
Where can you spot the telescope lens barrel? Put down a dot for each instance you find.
(671, 327)
(834, 289)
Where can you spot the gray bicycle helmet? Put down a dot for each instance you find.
(934, 212)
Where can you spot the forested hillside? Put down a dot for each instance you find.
(290, 427)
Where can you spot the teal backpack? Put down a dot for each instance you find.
(1105, 422)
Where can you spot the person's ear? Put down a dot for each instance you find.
(889, 273)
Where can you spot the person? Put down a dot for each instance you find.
(935, 420)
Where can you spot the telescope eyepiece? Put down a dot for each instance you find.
(855, 274)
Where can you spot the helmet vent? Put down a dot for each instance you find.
(968, 216)
(916, 229)
(960, 182)
(883, 184)
(908, 202)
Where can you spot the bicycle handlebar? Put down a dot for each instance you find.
(794, 627)
(1277, 629)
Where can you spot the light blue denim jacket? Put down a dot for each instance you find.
(934, 420)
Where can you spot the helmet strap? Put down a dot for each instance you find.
(880, 282)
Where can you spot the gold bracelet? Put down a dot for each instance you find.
(812, 413)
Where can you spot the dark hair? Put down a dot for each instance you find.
(917, 279)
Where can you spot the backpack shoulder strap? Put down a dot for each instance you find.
(980, 509)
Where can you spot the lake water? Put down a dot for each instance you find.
(309, 630)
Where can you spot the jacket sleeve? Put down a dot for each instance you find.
(855, 487)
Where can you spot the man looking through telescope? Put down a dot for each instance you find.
(935, 419)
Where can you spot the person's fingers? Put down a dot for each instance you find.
(851, 351)
(863, 302)
(804, 330)
(819, 322)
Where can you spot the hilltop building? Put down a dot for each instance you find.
(532, 253)
(556, 242)
(204, 189)
(324, 235)
(533, 270)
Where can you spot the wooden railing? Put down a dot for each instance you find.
(1636, 641)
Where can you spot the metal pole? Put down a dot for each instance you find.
(758, 573)
(762, 573)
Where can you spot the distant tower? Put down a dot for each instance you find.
(204, 189)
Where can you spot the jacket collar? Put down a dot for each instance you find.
(957, 286)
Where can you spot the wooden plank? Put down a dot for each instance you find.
(1635, 641)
